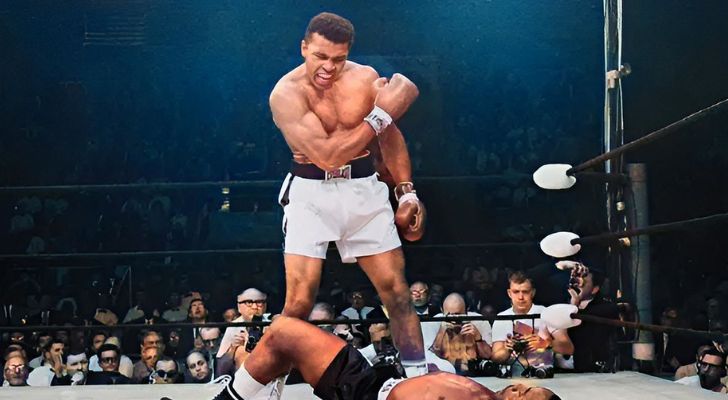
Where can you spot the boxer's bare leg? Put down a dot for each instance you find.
(303, 276)
(386, 272)
(289, 341)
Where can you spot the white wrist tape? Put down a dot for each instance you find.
(378, 119)
(411, 196)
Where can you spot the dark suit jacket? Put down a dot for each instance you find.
(186, 341)
(106, 378)
(594, 342)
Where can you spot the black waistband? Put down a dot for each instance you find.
(360, 168)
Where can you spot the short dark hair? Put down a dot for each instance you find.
(189, 307)
(109, 347)
(168, 359)
(331, 26)
(519, 277)
(50, 344)
(146, 334)
(96, 333)
(598, 277)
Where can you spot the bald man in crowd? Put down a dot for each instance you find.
(460, 342)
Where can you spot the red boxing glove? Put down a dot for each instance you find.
(411, 215)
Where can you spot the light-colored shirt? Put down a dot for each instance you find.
(174, 315)
(36, 362)
(41, 376)
(227, 337)
(352, 313)
(501, 329)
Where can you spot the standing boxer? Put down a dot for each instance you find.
(329, 110)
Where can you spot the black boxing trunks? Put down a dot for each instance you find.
(350, 377)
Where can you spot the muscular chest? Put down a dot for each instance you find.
(341, 110)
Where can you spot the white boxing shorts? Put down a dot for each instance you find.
(354, 213)
(388, 386)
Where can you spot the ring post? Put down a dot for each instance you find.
(643, 349)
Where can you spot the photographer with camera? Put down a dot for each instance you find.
(236, 343)
(526, 346)
(466, 345)
(594, 344)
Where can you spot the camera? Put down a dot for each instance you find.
(578, 273)
(574, 283)
(455, 327)
(540, 371)
(254, 334)
(519, 345)
(481, 367)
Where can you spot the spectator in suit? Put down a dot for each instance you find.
(420, 294)
(594, 344)
(109, 360)
(196, 314)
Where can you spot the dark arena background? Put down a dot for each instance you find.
(134, 127)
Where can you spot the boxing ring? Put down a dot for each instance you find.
(560, 245)
(624, 385)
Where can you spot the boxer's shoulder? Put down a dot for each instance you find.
(287, 91)
(289, 84)
(356, 78)
(360, 72)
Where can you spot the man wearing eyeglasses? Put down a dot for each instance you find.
(711, 366)
(109, 358)
(420, 295)
(166, 372)
(252, 304)
(15, 371)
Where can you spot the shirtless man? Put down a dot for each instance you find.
(337, 371)
(329, 110)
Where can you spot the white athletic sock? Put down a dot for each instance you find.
(245, 385)
(273, 390)
(413, 368)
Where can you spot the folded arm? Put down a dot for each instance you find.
(304, 132)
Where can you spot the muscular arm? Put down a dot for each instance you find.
(395, 155)
(303, 131)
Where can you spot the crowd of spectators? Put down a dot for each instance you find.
(104, 352)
